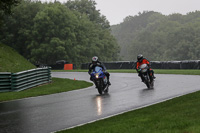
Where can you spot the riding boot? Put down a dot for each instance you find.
(91, 79)
(142, 79)
(108, 77)
(109, 82)
(95, 84)
(153, 76)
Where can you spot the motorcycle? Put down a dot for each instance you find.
(100, 80)
(146, 75)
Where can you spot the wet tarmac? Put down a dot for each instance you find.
(55, 112)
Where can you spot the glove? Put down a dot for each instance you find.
(138, 70)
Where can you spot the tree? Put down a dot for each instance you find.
(17, 29)
(53, 34)
(47, 32)
(88, 7)
(6, 7)
(159, 37)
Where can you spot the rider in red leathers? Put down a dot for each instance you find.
(141, 60)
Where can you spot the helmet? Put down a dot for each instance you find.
(94, 59)
(140, 57)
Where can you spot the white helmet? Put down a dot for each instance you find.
(95, 58)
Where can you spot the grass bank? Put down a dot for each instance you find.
(11, 61)
(58, 85)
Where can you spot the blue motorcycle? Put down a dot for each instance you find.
(100, 80)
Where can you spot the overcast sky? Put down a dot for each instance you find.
(116, 10)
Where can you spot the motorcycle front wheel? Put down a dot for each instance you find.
(100, 87)
(147, 84)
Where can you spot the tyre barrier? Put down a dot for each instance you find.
(192, 64)
(120, 65)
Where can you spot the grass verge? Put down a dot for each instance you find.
(179, 115)
(58, 85)
(157, 71)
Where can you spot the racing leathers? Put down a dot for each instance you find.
(144, 61)
(98, 63)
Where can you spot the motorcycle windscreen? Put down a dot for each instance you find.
(144, 68)
(98, 69)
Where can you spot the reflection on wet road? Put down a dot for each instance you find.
(55, 112)
(99, 105)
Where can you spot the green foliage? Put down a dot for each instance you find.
(11, 61)
(47, 32)
(159, 37)
(157, 71)
(6, 8)
(88, 7)
(6, 5)
(17, 29)
(53, 34)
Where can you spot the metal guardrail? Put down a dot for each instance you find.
(5, 81)
(25, 79)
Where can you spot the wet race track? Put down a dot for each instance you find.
(55, 112)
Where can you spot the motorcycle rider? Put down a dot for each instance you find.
(141, 60)
(96, 62)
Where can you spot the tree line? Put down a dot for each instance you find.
(159, 37)
(46, 32)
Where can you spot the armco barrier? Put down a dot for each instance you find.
(5, 81)
(25, 79)
(192, 64)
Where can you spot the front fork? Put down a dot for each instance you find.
(151, 76)
(97, 82)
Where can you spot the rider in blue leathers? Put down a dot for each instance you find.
(96, 62)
